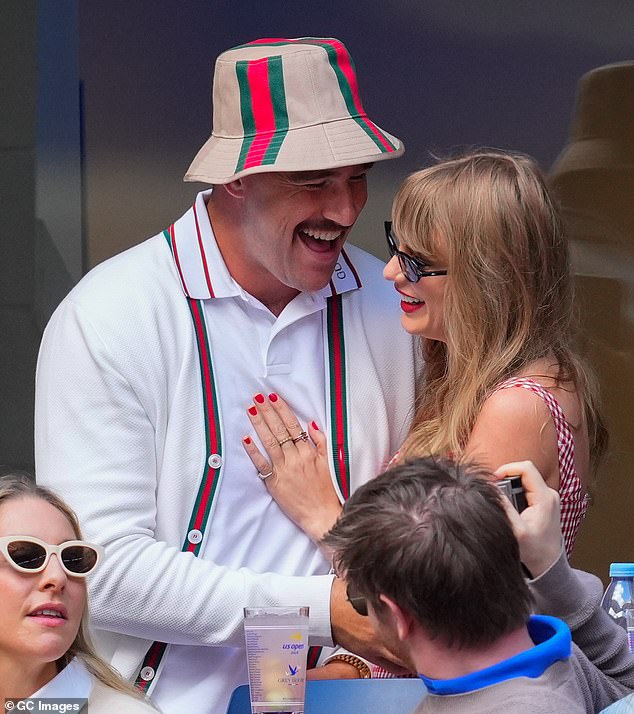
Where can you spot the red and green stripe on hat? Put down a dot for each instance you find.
(263, 105)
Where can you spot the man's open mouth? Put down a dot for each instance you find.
(319, 240)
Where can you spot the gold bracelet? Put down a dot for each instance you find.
(357, 663)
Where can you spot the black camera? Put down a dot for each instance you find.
(512, 488)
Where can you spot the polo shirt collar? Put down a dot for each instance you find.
(202, 270)
(552, 643)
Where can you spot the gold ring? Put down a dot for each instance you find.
(265, 476)
(285, 441)
(303, 436)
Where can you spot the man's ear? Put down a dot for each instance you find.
(234, 188)
(401, 618)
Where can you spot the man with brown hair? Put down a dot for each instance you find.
(433, 554)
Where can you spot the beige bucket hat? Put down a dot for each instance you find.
(287, 105)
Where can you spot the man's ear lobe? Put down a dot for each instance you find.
(401, 619)
(234, 188)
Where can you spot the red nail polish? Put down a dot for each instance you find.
(273, 397)
(315, 427)
(253, 411)
(259, 398)
(247, 440)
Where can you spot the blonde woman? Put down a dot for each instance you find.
(481, 266)
(44, 647)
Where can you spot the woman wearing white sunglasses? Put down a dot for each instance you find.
(44, 647)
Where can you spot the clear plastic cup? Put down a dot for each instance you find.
(277, 648)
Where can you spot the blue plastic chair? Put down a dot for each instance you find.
(349, 696)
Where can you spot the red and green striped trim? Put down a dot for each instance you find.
(343, 67)
(339, 413)
(203, 258)
(169, 237)
(338, 396)
(211, 476)
(152, 659)
(314, 653)
(263, 110)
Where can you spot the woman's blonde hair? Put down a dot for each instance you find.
(490, 219)
(14, 486)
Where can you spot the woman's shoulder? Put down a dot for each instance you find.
(514, 425)
(105, 700)
(542, 379)
(506, 408)
(533, 399)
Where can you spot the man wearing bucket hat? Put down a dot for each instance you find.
(147, 366)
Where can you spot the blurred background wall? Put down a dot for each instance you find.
(106, 103)
(18, 331)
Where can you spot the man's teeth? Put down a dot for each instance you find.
(411, 300)
(49, 613)
(322, 235)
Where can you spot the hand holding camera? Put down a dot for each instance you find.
(512, 488)
(533, 509)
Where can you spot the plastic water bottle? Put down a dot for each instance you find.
(618, 600)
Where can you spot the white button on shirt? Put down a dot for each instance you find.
(194, 536)
(147, 674)
(215, 461)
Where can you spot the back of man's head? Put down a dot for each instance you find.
(432, 536)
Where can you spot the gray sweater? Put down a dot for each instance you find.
(599, 671)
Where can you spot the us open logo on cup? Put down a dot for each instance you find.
(295, 646)
(297, 643)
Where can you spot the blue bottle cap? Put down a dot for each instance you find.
(622, 570)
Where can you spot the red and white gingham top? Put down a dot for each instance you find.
(574, 501)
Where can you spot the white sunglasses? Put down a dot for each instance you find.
(31, 555)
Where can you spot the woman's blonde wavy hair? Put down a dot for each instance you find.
(489, 218)
(14, 486)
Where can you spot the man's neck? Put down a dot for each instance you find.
(437, 661)
(272, 294)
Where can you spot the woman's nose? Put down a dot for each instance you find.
(53, 576)
(392, 269)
